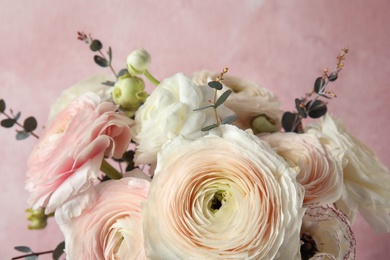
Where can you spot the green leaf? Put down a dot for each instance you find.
(222, 98)
(2, 105)
(21, 135)
(333, 76)
(31, 257)
(96, 45)
(318, 85)
(109, 52)
(108, 83)
(16, 118)
(229, 119)
(209, 127)
(215, 84)
(316, 108)
(301, 110)
(289, 121)
(201, 108)
(101, 61)
(8, 122)
(24, 249)
(30, 124)
(59, 250)
(122, 72)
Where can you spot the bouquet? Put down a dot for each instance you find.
(206, 166)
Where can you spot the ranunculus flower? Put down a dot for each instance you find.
(366, 179)
(256, 107)
(93, 84)
(326, 234)
(226, 195)
(169, 112)
(112, 227)
(66, 161)
(320, 170)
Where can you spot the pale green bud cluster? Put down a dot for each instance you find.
(37, 217)
(263, 124)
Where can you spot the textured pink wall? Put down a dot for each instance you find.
(282, 45)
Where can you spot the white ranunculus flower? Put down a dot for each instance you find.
(320, 170)
(225, 195)
(326, 234)
(256, 107)
(93, 84)
(169, 112)
(366, 179)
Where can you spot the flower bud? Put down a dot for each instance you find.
(138, 61)
(129, 93)
(38, 218)
(263, 124)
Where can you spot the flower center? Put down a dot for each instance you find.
(217, 201)
(308, 247)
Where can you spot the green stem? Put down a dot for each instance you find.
(110, 171)
(151, 78)
(33, 254)
(215, 109)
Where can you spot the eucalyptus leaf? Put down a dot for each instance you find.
(301, 110)
(2, 105)
(333, 76)
(318, 85)
(222, 98)
(122, 72)
(8, 122)
(21, 135)
(101, 61)
(108, 83)
(316, 108)
(229, 119)
(201, 108)
(16, 118)
(30, 124)
(31, 257)
(58, 251)
(209, 127)
(24, 249)
(289, 121)
(96, 45)
(109, 52)
(215, 84)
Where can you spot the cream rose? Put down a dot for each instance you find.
(66, 161)
(326, 234)
(169, 112)
(226, 195)
(256, 107)
(112, 227)
(366, 179)
(320, 170)
(93, 84)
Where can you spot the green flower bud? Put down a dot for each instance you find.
(38, 218)
(138, 62)
(129, 93)
(263, 124)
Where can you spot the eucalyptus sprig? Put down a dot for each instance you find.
(28, 126)
(96, 46)
(313, 107)
(216, 85)
(31, 255)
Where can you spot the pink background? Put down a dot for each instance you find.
(282, 45)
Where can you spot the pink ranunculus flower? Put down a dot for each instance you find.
(256, 107)
(326, 235)
(366, 179)
(320, 170)
(65, 162)
(112, 227)
(225, 195)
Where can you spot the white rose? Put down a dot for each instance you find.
(326, 234)
(169, 112)
(256, 107)
(366, 179)
(93, 84)
(320, 170)
(226, 195)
